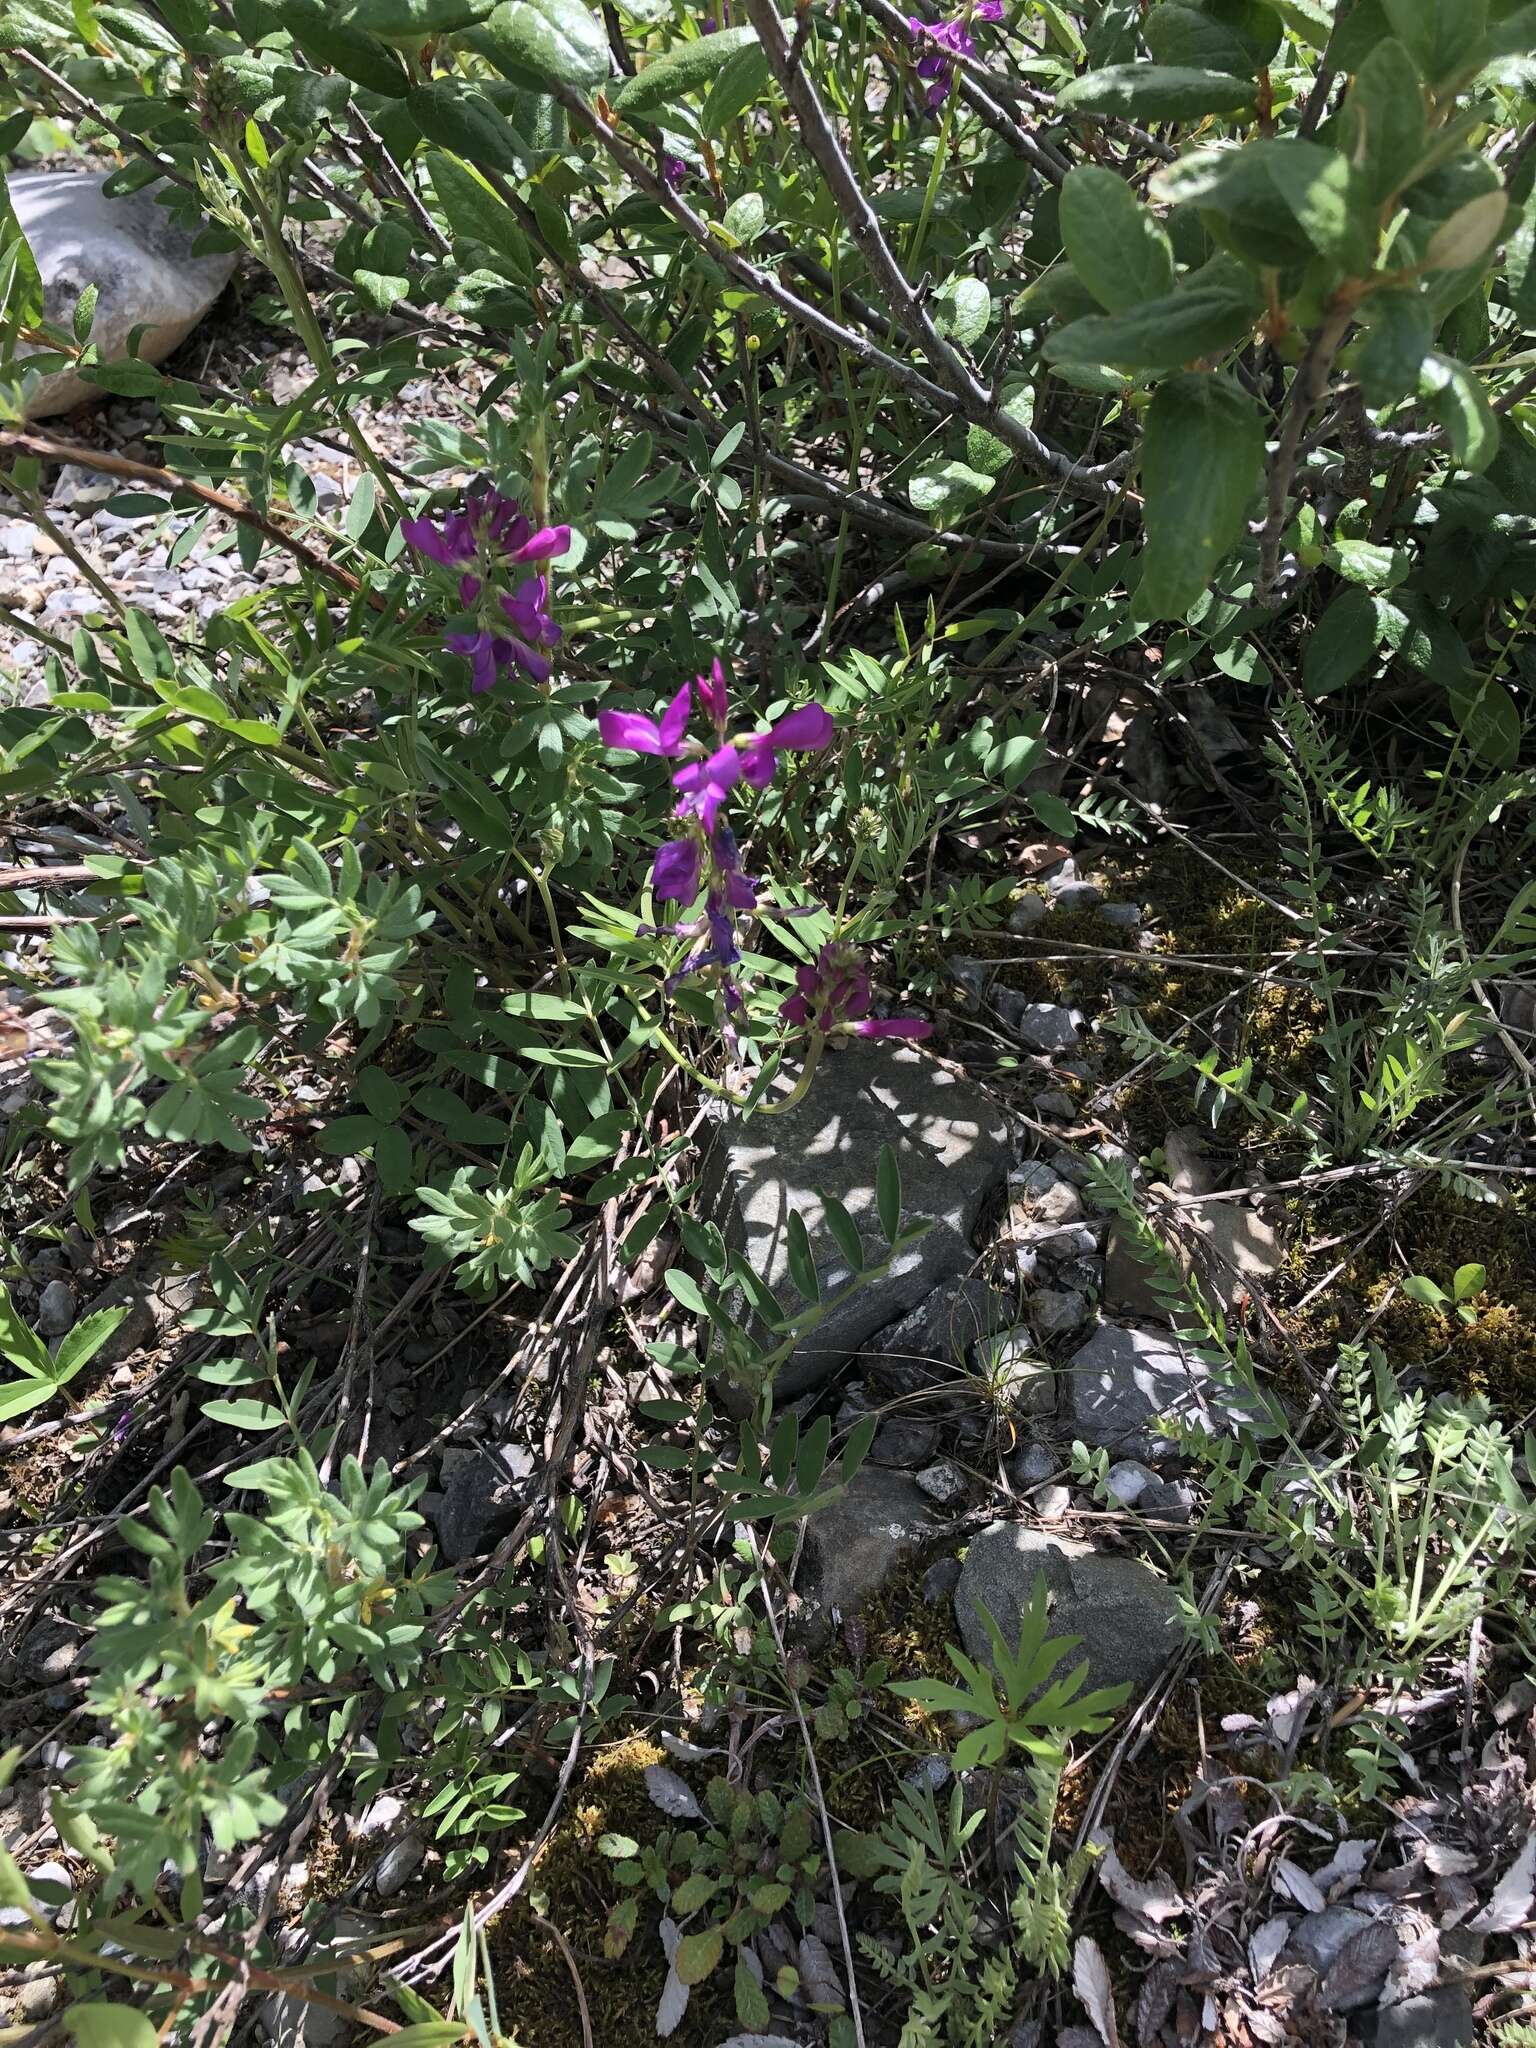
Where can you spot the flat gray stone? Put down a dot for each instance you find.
(944, 1483)
(1124, 1377)
(854, 1544)
(904, 1442)
(1044, 1027)
(1058, 1310)
(931, 1341)
(1126, 1616)
(56, 1309)
(137, 254)
(951, 1142)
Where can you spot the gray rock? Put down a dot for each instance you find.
(854, 1544)
(1076, 1241)
(1055, 1104)
(1442, 2018)
(50, 1652)
(944, 1483)
(951, 1143)
(1034, 1465)
(1123, 1378)
(932, 1340)
(1167, 1500)
(1126, 1616)
(18, 539)
(932, 1771)
(940, 1580)
(1045, 1027)
(1124, 917)
(1077, 896)
(481, 1498)
(133, 249)
(1128, 1481)
(1017, 1378)
(398, 1865)
(1027, 912)
(1050, 1503)
(46, 1881)
(1057, 1310)
(39, 1998)
(1044, 1202)
(56, 1309)
(904, 1442)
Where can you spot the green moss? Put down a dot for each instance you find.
(572, 1888)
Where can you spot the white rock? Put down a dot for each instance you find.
(132, 249)
(382, 1818)
(1128, 1481)
(943, 1482)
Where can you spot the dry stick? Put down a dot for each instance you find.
(974, 81)
(975, 405)
(1311, 381)
(48, 450)
(966, 391)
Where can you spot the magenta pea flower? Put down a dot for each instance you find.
(674, 170)
(835, 996)
(677, 871)
(805, 731)
(713, 693)
(488, 538)
(706, 785)
(665, 736)
(942, 44)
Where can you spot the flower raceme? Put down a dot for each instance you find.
(834, 997)
(489, 540)
(942, 42)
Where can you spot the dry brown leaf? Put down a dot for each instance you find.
(1513, 1896)
(668, 1791)
(1091, 1982)
(1266, 1943)
(1159, 1988)
(1356, 1973)
(1156, 1900)
(1295, 1883)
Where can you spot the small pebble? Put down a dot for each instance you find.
(940, 1580)
(1051, 1502)
(56, 1309)
(943, 1482)
(1027, 912)
(1128, 1481)
(1034, 1464)
(1125, 917)
(1056, 1104)
(1057, 1310)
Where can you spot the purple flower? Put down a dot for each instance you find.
(486, 539)
(805, 731)
(706, 785)
(835, 995)
(677, 871)
(673, 170)
(647, 735)
(490, 531)
(713, 693)
(941, 43)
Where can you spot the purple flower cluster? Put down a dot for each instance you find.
(942, 42)
(487, 540)
(835, 996)
(707, 857)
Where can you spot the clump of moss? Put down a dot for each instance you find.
(572, 1889)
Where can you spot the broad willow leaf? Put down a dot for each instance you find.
(692, 66)
(1341, 643)
(1382, 125)
(413, 21)
(1116, 245)
(1161, 334)
(1156, 92)
(1443, 37)
(1202, 462)
(945, 488)
(1455, 396)
(1391, 353)
(540, 43)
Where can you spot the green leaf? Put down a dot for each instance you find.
(1202, 462)
(257, 1415)
(1116, 245)
(1455, 396)
(844, 1231)
(1391, 353)
(1465, 239)
(1469, 1280)
(1420, 1288)
(1383, 120)
(85, 312)
(474, 212)
(1520, 268)
(745, 218)
(945, 488)
(1187, 38)
(23, 1395)
(95, 2025)
(697, 1954)
(888, 1192)
(802, 1267)
(1326, 198)
(431, 2034)
(19, 1342)
(752, 2008)
(1367, 562)
(1054, 813)
(463, 120)
(1162, 334)
(413, 20)
(351, 51)
(1156, 92)
(687, 67)
(540, 43)
(961, 309)
(739, 86)
(80, 1346)
(984, 452)
(1490, 721)
(1341, 643)
(1443, 37)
